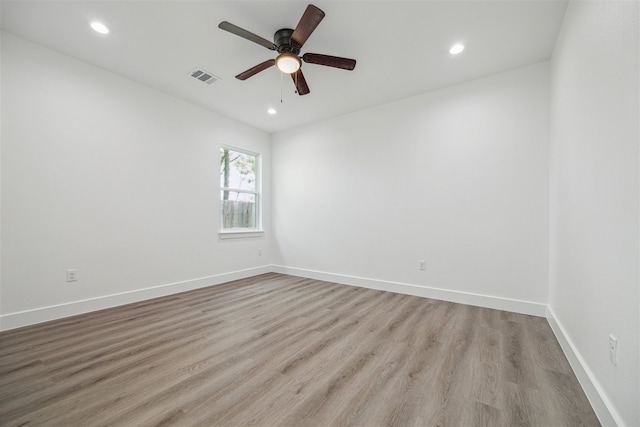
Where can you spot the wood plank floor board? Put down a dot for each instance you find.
(277, 350)
(119, 360)
(486, 378)
(105, 377)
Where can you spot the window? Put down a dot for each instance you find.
(239, 190)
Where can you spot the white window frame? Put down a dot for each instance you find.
(235, 233)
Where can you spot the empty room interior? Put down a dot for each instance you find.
(433, 220)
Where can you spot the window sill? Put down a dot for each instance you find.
(240, 234)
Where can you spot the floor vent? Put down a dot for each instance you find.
(204, 76)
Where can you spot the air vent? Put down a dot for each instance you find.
(204, 76)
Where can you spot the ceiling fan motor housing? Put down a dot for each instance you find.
(282, 39)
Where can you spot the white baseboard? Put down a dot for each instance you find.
(601, 404)
(44, 314)
(516, 306)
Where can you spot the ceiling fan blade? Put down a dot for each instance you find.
(309, 21)
(234, 29)
(300, 82)
(329, 61)
(255, 70)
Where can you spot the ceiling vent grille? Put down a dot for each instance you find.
(204, 76)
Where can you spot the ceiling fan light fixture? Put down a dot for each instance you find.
(288, 63)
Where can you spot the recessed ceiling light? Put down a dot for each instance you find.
(272, 111)
(456, 48)
(99, 27)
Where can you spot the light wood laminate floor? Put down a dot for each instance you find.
(279, 350)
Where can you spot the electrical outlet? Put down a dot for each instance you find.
(72, 275)
(613, 350)
(422, 264)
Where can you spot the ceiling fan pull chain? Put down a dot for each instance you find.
(281, 77)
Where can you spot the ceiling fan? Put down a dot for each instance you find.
(287, 43)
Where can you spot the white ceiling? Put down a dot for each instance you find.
(401, 48)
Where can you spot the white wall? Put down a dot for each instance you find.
(457, 177)
(594, 280)
(114, 179)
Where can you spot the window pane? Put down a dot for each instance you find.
(238, 210)
(237, 170)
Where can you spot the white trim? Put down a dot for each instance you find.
(239, 149)
(239, 190)
(240, 234)
(44, 314)
(507, 304)
(602, 405)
